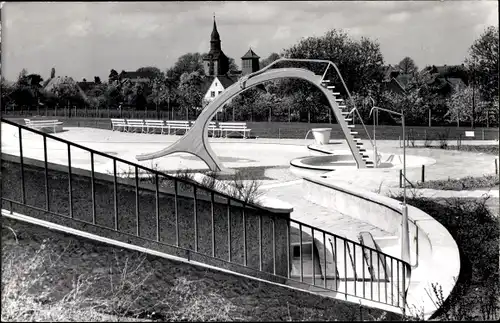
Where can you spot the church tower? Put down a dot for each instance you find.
(215, 62)
(250, 62)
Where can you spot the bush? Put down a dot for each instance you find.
(443, 138)
(476, 232)
(465, 183)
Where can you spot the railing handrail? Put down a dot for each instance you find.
(303, 227)
(193, 183)
(329, 63)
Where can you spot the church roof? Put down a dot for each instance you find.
(250, 54)
(215, 34)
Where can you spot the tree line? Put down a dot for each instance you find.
(178, 89)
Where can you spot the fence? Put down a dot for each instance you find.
(178, 216)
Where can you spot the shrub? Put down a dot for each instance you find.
(443, 138)
(476, 231)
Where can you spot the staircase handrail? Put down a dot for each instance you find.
(330, 63)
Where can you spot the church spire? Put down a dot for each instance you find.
(215, 34)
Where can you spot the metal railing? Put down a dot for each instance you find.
(186, 219)
(329, 63)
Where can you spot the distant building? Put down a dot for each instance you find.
(218, 77)
(135, 77)
(446, 79)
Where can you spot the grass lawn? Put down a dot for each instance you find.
(486, 149)
(465, 183)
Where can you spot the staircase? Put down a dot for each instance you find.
(345, 120)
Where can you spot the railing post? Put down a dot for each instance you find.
(243, 217)
(260, 242)
(288, 249)
(92, 183)
(115, 190)
(312, 255)
(70, 187)
(212, 201)
(300, 249)
(274, 245)
(423, 173)
(496, 166)
(176, 213)
(157, 193)
(401, 178)
(229, 229)
(195, 220)
(137, 221)
(21, 160)
(46, 166)
(325, 273)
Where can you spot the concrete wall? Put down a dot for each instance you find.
(58, 182)
(435, 256)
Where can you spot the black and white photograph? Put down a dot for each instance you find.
(250, 161)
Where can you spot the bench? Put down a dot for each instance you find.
(117, 124)
(43, 124)
(214, 127)
(177, 125)
(155, 124)
(231, 127)
(135, 124)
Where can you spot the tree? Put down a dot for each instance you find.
(407, 66)
(271, 58)
(150, 69)
(460, 105)
(359, 62)
(187, 63)
(52, 73)
(483, 62)
(97, 80)
(190, 91)
(113, 75)
(232, 64)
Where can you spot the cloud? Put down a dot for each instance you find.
(127, 35)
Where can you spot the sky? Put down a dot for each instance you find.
(87, 39)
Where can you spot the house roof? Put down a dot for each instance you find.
(225, 80)
(250, 54)
(85, 86)
(134, 75)
(58, 80)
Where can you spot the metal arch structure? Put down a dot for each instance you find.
(195, 141)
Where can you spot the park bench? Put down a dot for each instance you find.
(232, 127)
(43, 124)
(118, 124)
(135, 124)
(214, 127)
(177, 125)
(155, 124)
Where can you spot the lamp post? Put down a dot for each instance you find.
(405, 236)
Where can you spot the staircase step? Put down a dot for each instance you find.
(342, 106)
(369, 162)
(362, 149)
(336, 93)
(354, 132)
(325, 81)
(350, 126)
(348, 119)
(339, 100)
(330, 87)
